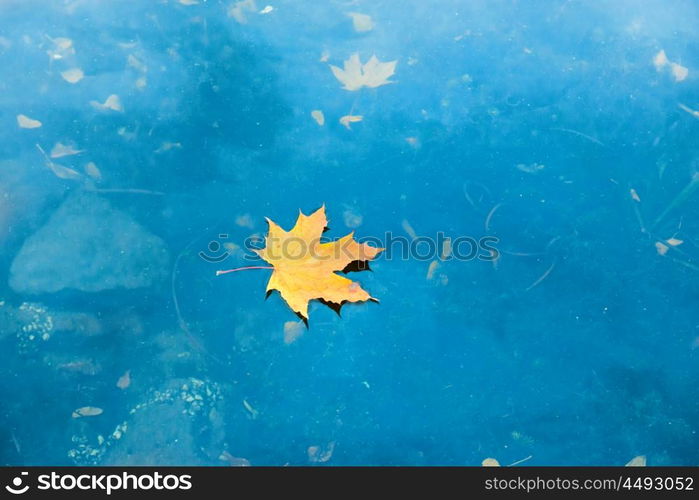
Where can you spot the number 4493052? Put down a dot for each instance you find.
(659, 483)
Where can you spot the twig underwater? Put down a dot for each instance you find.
(246, 268)
(520, 461)
(663, 244)
(542, 277)
(489, 217)
(195, 342)
(684, 195)
(580, 134)
(126, 191)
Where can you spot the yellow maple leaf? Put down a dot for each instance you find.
(305, 268)
(356, 75)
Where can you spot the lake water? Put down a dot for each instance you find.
(530, 167)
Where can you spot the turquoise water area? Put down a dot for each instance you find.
(144, 143)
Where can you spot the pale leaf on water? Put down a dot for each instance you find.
(639, 461)
(25, 122)
(189, 2)
(679, 72)
(349, 119)
(234, 461)
(124, 381)
(62, 47)
(413, 142)
(58, 170)
(230, 247)
(532, 168)
(674, 242)
(60, 150)
(660, 60)
(318, 116)
(432, 269)
(62, 43)
(446, 249)
(167, 146)
(73, 75)
(251, 411)
(662, 248)
(321, 454)
(64, 172)
(135, 63)
(355, 75)
(112, 103)
(244, 220)
(293, 330)
(127, 45)
(266, 10)
(352, 219)
(490, 462)
(634, 195)
(361, 22)
(239, 10)
(87, 411)
(409, 229)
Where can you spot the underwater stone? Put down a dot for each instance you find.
(88, 245)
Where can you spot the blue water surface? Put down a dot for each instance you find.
(555, 126)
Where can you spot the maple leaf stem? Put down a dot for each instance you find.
(218, 273)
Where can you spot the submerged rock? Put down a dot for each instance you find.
(88, 245)
(179, 423)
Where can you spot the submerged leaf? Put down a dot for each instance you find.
(73, 75)
(662, 248)
(361, 22)
(660, 60)
(347, 119)
(124, 381)
(60, 150)
(352, 219)
(62, 47)
(356, 75)
(244, 220)
(639, 461)
(321, 454)
(112, 103)
(239, 10)
(318, 116)
(432, 269)
(532, 168)
(234, 461)
(292, 331)
(679, 72)
(25, 122)
(92, 171)
(87, 411)
(64, 172)
(135, 63)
